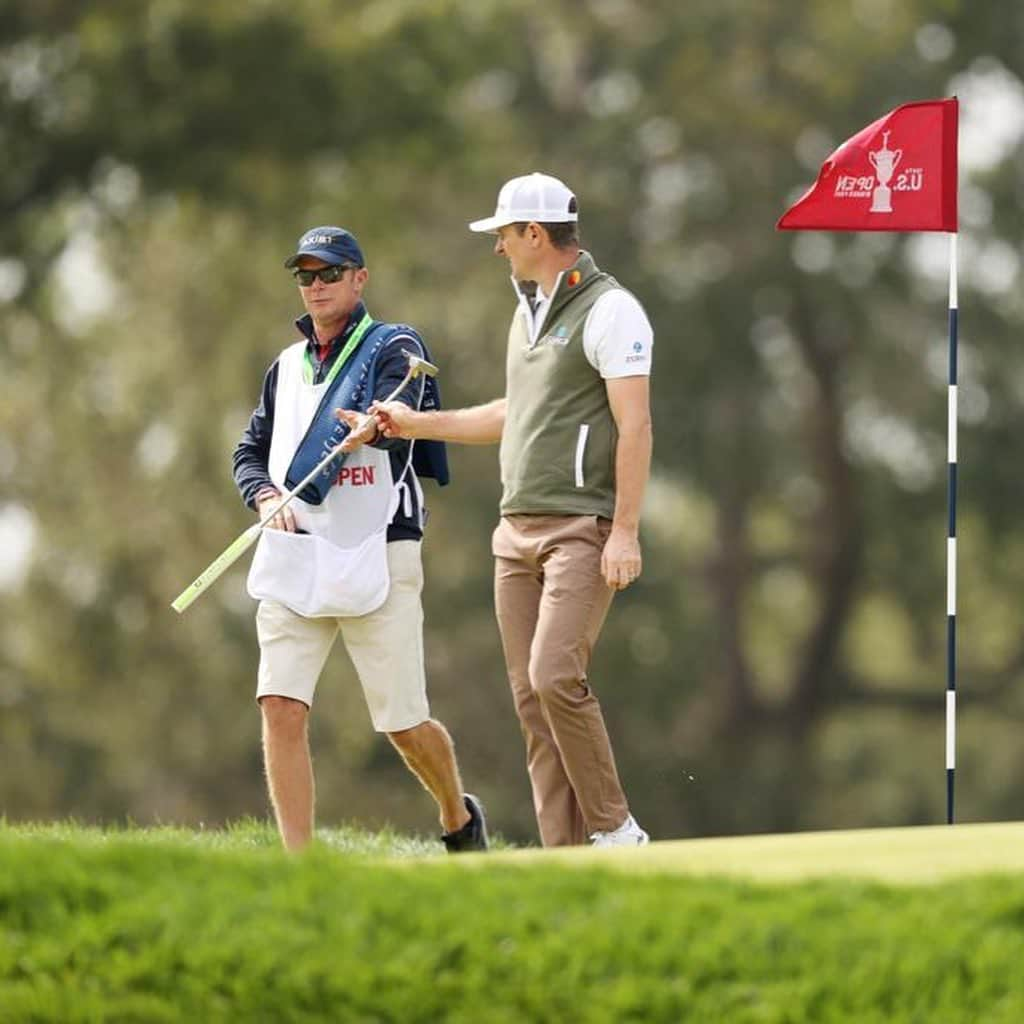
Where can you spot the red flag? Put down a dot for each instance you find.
(898, 174)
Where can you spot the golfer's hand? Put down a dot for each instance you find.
(284, 520)
(395, 419)
(362, 429)
(620, 559)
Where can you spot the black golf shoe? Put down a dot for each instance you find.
(472, 835)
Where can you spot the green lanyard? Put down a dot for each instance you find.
(350, 346)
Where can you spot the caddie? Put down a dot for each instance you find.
(344, 555)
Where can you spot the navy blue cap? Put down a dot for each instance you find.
(331, 244)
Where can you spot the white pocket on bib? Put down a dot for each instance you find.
(315, 578)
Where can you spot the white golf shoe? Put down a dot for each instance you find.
(629, 833)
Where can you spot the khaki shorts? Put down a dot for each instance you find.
(385, 646)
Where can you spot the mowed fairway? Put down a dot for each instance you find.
(898, 855)
(891, 926)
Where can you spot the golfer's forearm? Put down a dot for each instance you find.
(632, 468)
(480, 424)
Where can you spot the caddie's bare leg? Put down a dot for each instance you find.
(289, 768)
(430, 754)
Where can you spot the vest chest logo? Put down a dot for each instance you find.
(559, 336)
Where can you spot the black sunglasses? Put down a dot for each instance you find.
(329, 275)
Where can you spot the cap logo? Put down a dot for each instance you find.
(329, 242)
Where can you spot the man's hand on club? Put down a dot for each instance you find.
(395, 419)
(284, 520)
(620, 560)
(362, 428)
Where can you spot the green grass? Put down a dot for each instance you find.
(914, 856)
(176, 925)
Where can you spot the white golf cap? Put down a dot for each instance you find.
(533, 197)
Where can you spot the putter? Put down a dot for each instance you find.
(247, 538)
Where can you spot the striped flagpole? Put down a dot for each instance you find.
(951, 543)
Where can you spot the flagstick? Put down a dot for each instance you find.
(951, 543)
(825, 207)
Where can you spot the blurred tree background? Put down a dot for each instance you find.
(781, 665)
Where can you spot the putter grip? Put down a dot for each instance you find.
(222, 562)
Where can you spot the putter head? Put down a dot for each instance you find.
(419, 366)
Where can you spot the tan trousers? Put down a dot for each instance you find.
(551, 602)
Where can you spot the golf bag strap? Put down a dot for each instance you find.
(352, 388)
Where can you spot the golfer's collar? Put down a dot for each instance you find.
(536, 314)
(535, 317)
(540, 294)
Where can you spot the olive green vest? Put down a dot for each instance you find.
(558, 443)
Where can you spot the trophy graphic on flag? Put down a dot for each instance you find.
(884, 161)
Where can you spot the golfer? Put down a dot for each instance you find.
(346, 557)
(575, 433)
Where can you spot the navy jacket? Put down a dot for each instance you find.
(252, 453)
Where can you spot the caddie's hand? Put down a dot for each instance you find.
(362, 429)
(395, 419)
(284, 520)
(620, 559)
